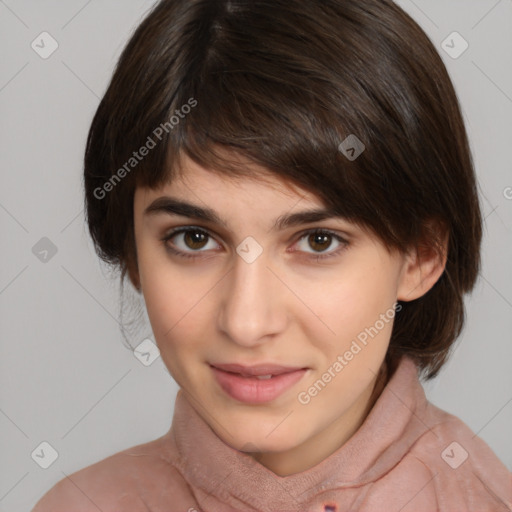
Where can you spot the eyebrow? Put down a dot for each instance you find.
(172, 206)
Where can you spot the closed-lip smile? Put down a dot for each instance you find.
(256, 384)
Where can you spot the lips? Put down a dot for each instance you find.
(256, 384)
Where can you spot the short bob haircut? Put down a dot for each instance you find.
(282, 83)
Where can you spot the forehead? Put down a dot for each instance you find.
(255, 186)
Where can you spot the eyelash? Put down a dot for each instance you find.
(316, 231)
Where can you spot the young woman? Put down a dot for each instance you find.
(289, 186)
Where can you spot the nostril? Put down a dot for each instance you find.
(330, 508)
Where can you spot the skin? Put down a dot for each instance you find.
(287, 307)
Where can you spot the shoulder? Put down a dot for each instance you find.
(138, 479)
(465, 473)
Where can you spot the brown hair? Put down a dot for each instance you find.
(283, 83)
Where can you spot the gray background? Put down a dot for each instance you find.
(65, 375)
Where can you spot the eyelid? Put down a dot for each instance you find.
(341, 238)
(183, 229)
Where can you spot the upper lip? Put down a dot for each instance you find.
(258, 369)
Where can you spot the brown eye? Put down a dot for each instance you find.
(319, 241)
(187, 241)
(195, 239)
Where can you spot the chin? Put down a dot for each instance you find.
(262, 446)
(259, 440)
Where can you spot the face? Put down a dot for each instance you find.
(243, 286)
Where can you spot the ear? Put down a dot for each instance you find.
(425, 262)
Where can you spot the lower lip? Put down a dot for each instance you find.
(253, 390)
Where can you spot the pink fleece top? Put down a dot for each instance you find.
(408, 455)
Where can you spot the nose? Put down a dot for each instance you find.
(252, 307)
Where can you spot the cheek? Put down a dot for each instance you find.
(351, 308)
(176, 299)
(163, 290)
(173, 310)
(358, 295)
